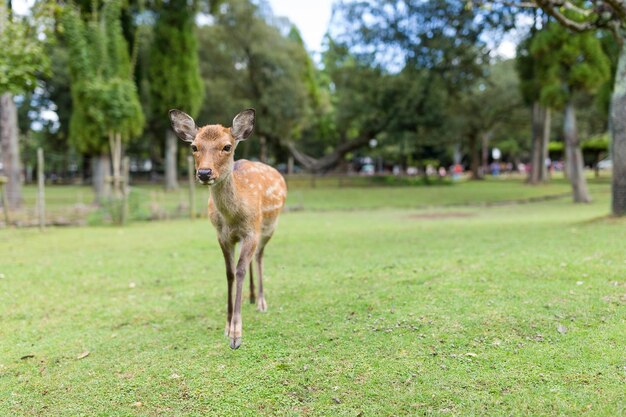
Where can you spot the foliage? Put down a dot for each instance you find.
(173, 72)
(568, 63)
(598, 143)
(104, 95)
(257, 67)
(22, 60)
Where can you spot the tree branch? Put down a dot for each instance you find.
(329, 161)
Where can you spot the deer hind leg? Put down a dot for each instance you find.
(261, 304)
(228, 250)
(252, 295)
(248, 248)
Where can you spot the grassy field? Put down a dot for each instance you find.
(73, 203)
(510, 310)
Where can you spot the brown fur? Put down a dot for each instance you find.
(246, 200)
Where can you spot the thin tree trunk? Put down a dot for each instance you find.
(575, 155)
(618, 133)
(486, 138)
(171, 153)
(100, 170)
(538, 117)
(545, 142)
(474, 158)
(263, 149)
(115, 141)
(10, 150)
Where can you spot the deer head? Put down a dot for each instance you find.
(213, 146)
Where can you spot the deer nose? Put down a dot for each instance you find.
(204, 174)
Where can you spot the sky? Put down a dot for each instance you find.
(310, 16)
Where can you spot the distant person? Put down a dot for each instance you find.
(442, 172)
(495, 169)
(457, 170)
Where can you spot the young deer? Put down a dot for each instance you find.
(246, 199)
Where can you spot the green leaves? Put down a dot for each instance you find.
(566, 62)
(104, 94)
(22, 59)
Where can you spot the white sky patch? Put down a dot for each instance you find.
(22, 7)
(310, 16)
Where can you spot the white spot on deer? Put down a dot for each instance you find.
(271, 190)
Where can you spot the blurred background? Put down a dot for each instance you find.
(347, 93)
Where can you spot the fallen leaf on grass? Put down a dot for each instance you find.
(27, 356)
(137, 404)
(175, 376)
(561, 329)
(337, 400)
(473, 355)
(83, 355)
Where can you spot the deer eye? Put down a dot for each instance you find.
(227, 148)
(194, 148)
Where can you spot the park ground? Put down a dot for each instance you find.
(449, 300)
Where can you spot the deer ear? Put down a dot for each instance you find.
(183, 125)
(243, 124)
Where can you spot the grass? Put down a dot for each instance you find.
(512, 310)
(148, 201)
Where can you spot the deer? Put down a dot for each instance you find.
(245, 201)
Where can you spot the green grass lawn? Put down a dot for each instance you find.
(73, 202)
(511, 310)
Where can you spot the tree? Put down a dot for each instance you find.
(443, 38)
(569, 64)
(104, 96)
(21, 61)
(265, 67)
(528, 69)
(590, 17)
(174, 75)
(478, 115)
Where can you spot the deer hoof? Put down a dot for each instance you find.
(261, 305)
(235, 342)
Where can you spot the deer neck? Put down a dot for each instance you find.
(225, 196)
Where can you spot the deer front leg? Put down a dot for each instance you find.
(228, 250)
(248, 247)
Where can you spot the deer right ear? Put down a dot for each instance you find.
(183, 125)
(243, 124)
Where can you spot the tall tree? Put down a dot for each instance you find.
(569, 64)
(106, 108)
(586, 17)
(174, 74)
(21, 61)
(528, 69)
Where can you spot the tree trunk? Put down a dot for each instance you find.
(171, 152)
(537, 122)
(100, 170)
(263, 149)
(575, 155)
(544, 174)
(540, 139)
(618, 133)
(474, 157)
(10, 150)
(115, 143)
(486, 138)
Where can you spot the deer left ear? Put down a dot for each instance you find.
(243, 124)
